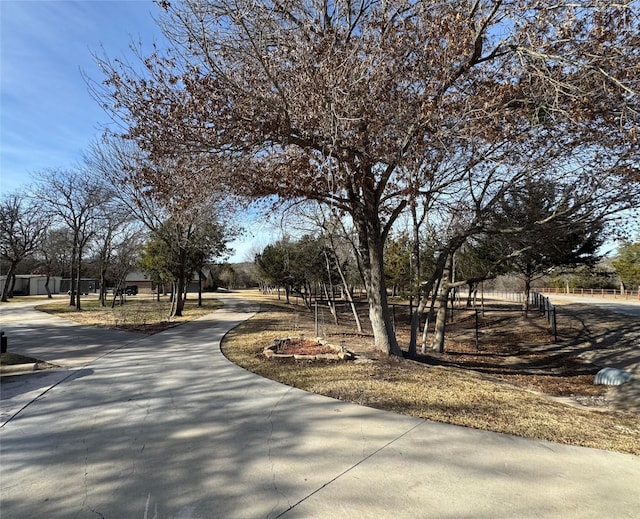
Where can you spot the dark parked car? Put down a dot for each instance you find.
(130, 290)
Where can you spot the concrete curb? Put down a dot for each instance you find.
(17, 368)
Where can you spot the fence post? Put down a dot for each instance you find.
(545, 308)
(316, 319)
(477, 345)
(393, 317)
(555, 327)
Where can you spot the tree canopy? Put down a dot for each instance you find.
(366, 106)
(544, 227)
(627, 264)
(22, 227)
(74, 198)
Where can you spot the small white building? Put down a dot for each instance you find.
(33, 284)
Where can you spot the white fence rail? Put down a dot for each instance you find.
(593, 292)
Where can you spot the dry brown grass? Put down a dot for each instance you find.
(491, 399)
(510, 384)
(138, 313)
(13, 359)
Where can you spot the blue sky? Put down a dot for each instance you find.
(47, 115)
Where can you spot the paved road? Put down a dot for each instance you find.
(629, 307)
(31, 333)
(617, 345)
(59, 341)
(166, 427)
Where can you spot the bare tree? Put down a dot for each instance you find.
(72, 197)
(54, 255)
(337, 238)
(120, 234)
(124, 251)
(21, 229)
(170, 201)
(354, 104)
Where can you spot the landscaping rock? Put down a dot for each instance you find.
(612, 377)
(309, 349)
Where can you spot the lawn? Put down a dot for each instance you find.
(487, 399)
(515, 381)
(137, 313)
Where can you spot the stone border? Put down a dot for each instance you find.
(341, 353)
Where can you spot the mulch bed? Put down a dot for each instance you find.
(303, 347)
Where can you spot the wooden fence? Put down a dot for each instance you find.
(593, 292)
(544, 306)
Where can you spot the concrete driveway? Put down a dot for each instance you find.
(165, 427)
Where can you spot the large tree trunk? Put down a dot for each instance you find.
(429, 318)
(46, 286)
(381, 323)
(443, 298)
(7, 281)
(78, 279)
(179, 297)
(73, 289)
(103, 288)
(181, 284)
(371, 243)
(441, 321)
(172, 300)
